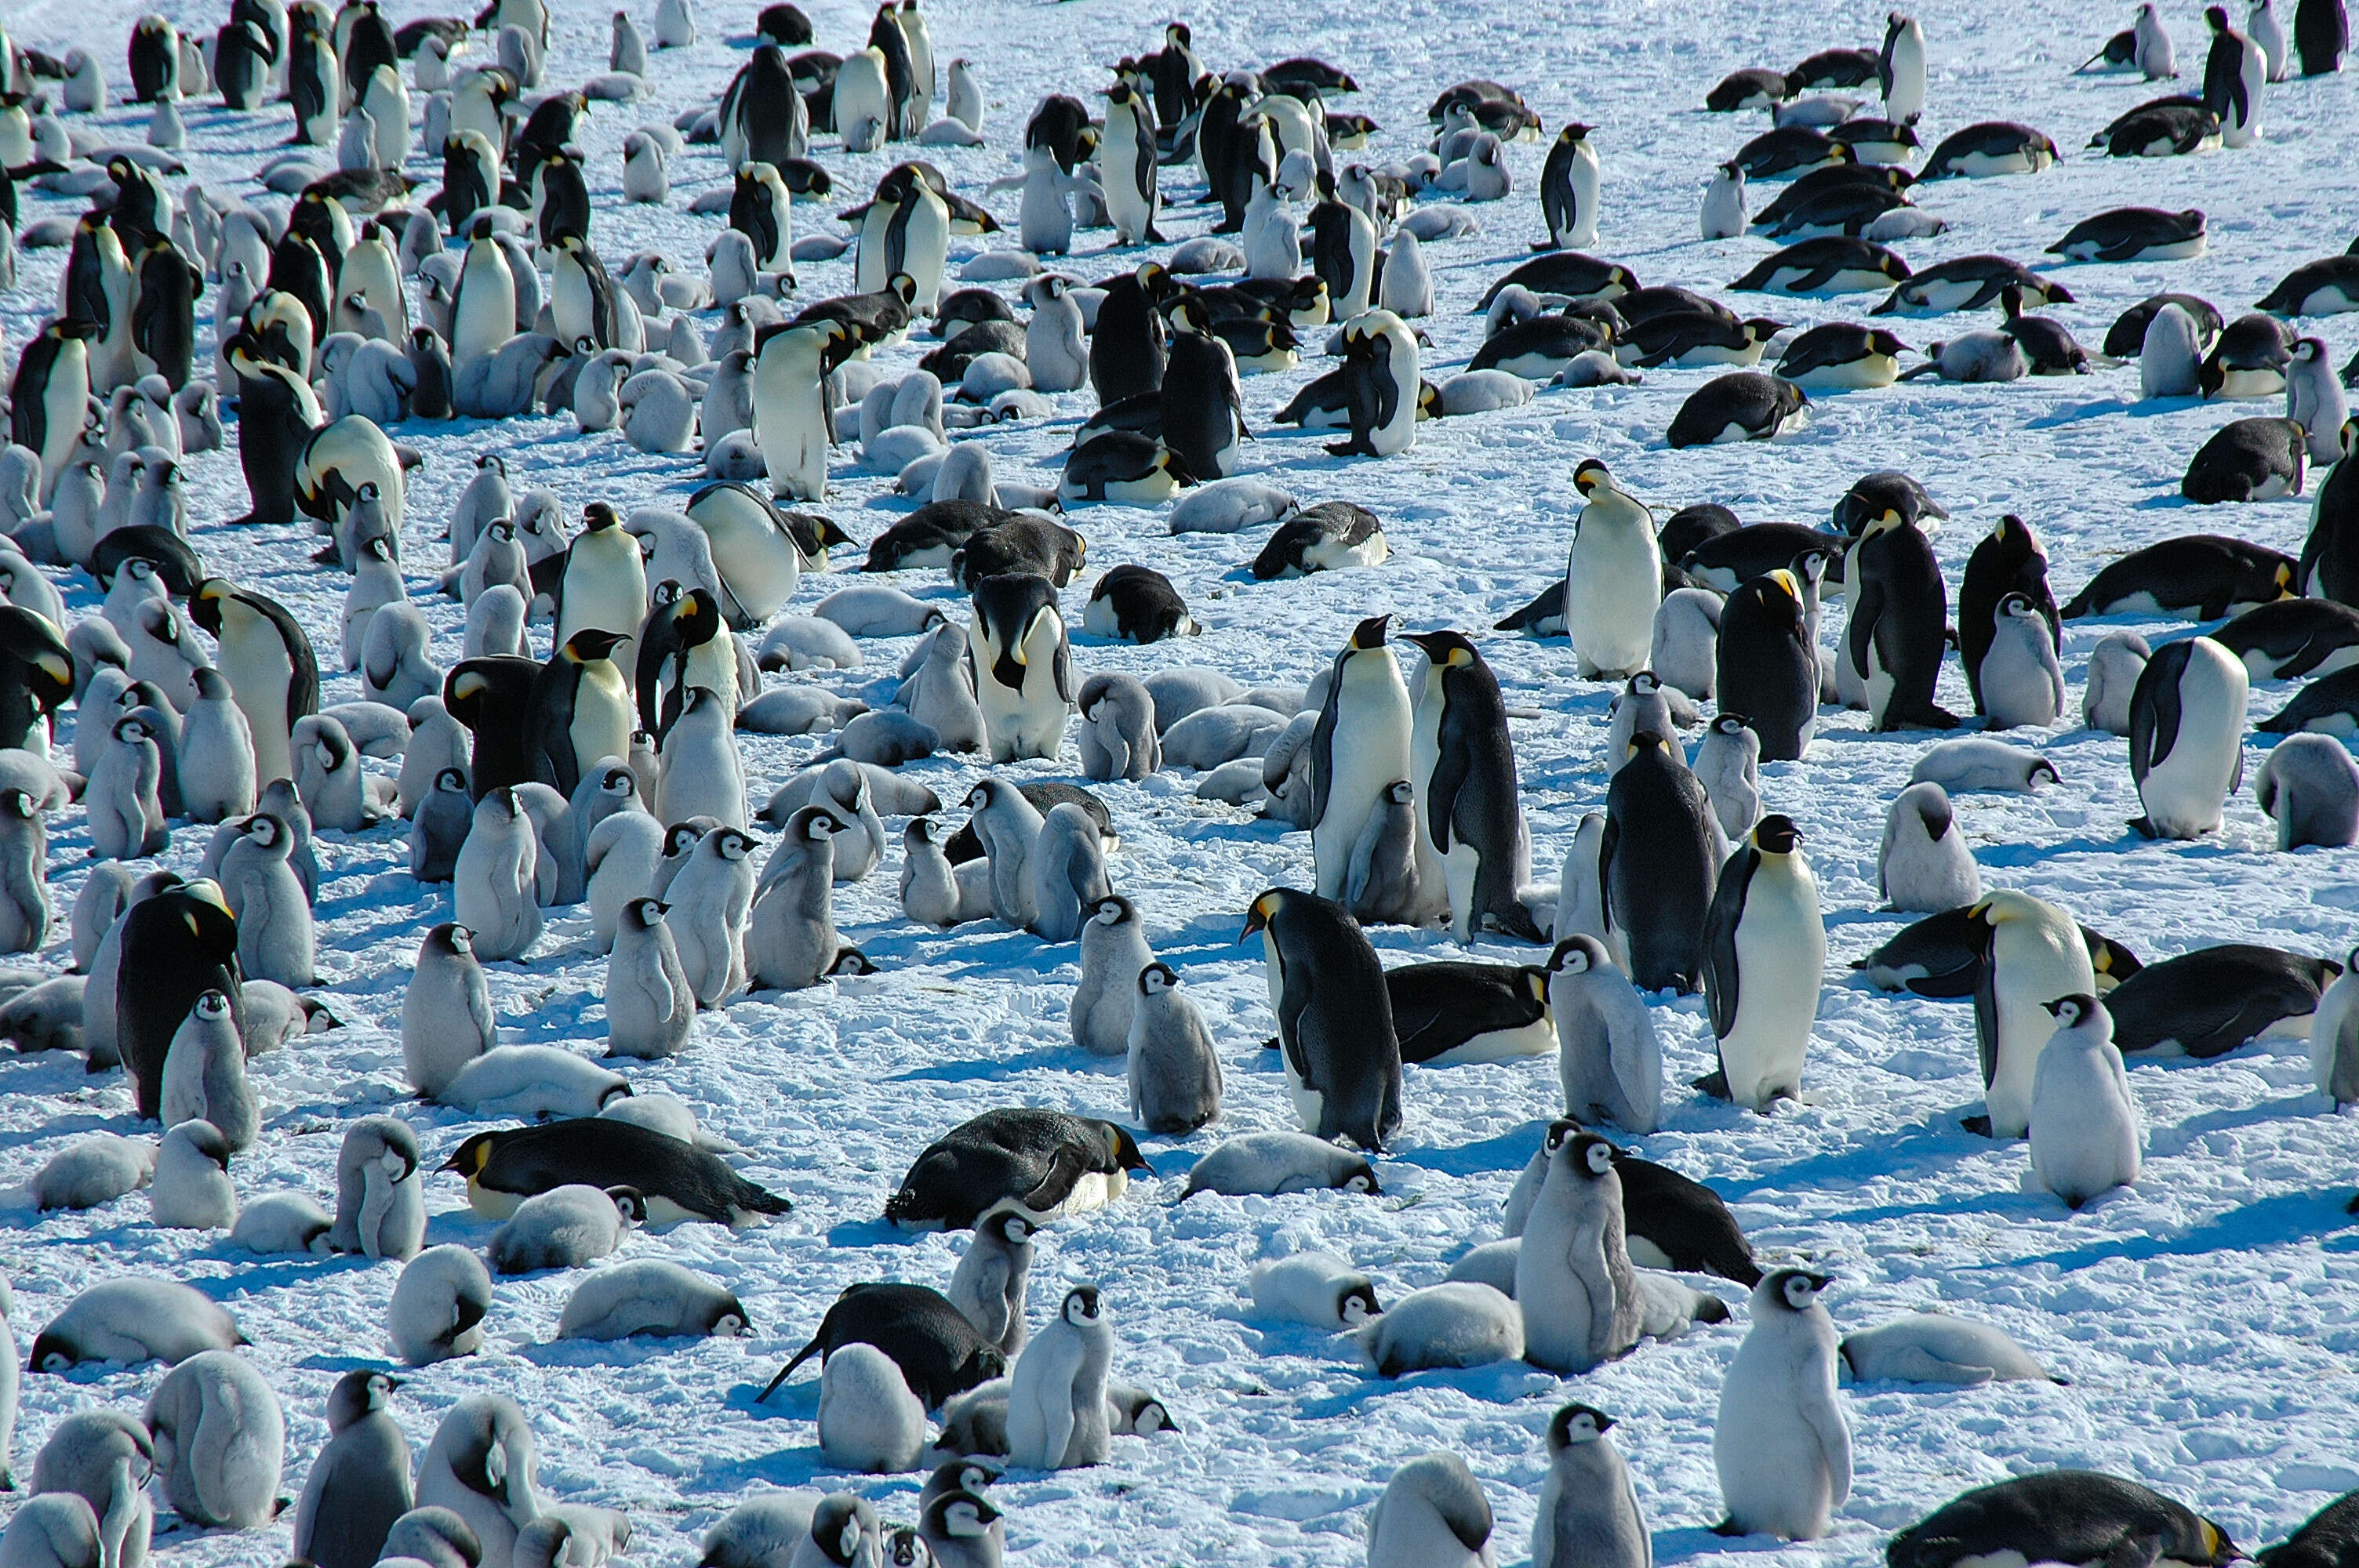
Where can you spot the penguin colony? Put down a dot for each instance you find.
(662, 774)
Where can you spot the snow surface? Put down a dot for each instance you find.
(2205, 1319)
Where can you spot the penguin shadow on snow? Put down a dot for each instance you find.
(1506, 1155)
(1934, 1146)
(2317, 1219)
(1498, 1383)
(2304, 1103)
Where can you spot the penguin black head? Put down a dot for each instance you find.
(1112, 909)
(1368, 634)
(358, 1393)
(1578, 1423)
(1157, 979)
(1591, 477)
(1188, 313)
(2070, 1011)
(1082, 1305)
(1645, 743)
(205, 1138)
(1796, 1290)
(1776, 835)
(1448, 650)
(597, 517)
(19, 803)
(470, 1158)
(1577, 955)
(266, 830)
(451, 936)
(1013, 1229)
(1263, 911)
(2217, 16)
(52, 1354)
(1886, 344)
(588, 645)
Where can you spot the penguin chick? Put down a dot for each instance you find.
(380, 1202)
(1589, 1508)
(990, 1283)
(220, 1439)
(92, 1170)
(1271, 1163)
(191, 1190)
(482, 1466)
(565, 1227)
(438, 1307)
(1316, 1288)
(2084, 1122)
(1057, 1390)
(649, 1296)
(651, 1006)
(869, 1422)
(129, 1320)
(1924, 866)
(204, 1077)
(359, 1484)
(1781, 1445)
(534, 1082)
(1432, 1515)
(282, 1222)
(1573, 1278)
(1174, 1075)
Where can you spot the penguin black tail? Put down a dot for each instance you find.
(800, 1357)
(1715, 1084)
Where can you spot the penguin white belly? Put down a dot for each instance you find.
(2238, 384)
(1869, 370)
(1333, 555)
(1152, 490)
(1941, 299)
(1730, 432)
(493, 1204)
(259, 673)
(2032, 971)
(1612, 591)
(571, 304)
(1099, 620)
(1277, 360)
(1533, 364)
(2334, 300)
(1715, 355)
(2184, 792)
(1987, 166)
(662, 1213)
(1095, 1189)
(1773, 1469)
(1781, 950)
(2177, 250)
(1647, 1255)
(926, 242)
(1365, 758)
(602, 720)
(2296, 1027)
(1534, 1039)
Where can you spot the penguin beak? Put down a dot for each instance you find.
(1257, 919)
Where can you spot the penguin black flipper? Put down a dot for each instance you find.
(1721, 989)
(1986, 1014)
(801, 1356)
(2154, 709)
(1608, 841)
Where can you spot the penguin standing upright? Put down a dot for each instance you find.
(1024, 665)
(273, 673)
(581, 708)
(1614, 579)
(2032, 953)
(49, 401)
(175, 947)
(1360, 745)
(315, 82)
(1203, 410)
(2233, 74)
(2187, 727)
(360, 1483)
(1765, 667)
(1343, 250)
(2007, 560)
(1127, 166)
(1656, 865)
(1573, 1278)
(1568, 192)
(1334, 1017)
(603, 588)
(1381, 384)
(1462, 762)
(905, 229)
(1765, 946)
(2084, 1129)
(1896, 634)
(761, 209)
(1589, 1508)
(1128, 351)
(1781, 1445)
(1900, 68)
(2321, 31)
(791, 415)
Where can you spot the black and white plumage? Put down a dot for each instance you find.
(1044, 1163)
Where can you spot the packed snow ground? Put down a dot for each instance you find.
(2205, 1320)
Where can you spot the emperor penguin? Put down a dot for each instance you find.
(581, 707)
(791, 415)
(2084, 1122)
(1781, 1443)
(1128, 165)
(437, 1305)
(220, 1440)
(50, 398)
(273, 673)
(1893, 642)
(565, 1227)
(1900, 68)
(446, 1009)
(2022, 684)
(2032, 953)
(2115, 666)
(1728, 764)
(204, 1075)
(2186, 734)
(1568, 192)
(989, 1286)
(1470, 818)
(276, 937)
(1573, 1278)
(651, 1006)
(1334, 1017)
(1608, 1058)
(380, 1201)
(191, 1189)
(1382, 381)
(2233, 74)
(702, 773)
(1723, 216)
(1024, 665)
(1113, 954)
(1343, 250)
(1057, 1390)
(1924, 866)
(1067, 872)
(1765, 946)
(482, 1466)
(494, 890)
(1175, 1073)
(484, 309)
(1361, 745)
(1589, 1508)
(791, 943)
(713, 895)
(869, 1422)
(936, 893)
(1432, 1515)
(103, 1458)
(1614, 579)
(1656, 863)
(1315, 1288)
(2309, 785)
(907, 231)
(359, 1484)
(761, 208)
(863, 102)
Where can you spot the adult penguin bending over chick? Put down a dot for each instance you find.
(1360, 746)
(2186, 729)
(1464, 763)
(678, 1181)
(1765, 947)
(1656, 863)
(1041, 1163)
(1334, 1017)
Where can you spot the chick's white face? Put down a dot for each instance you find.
(1801, 1293)
(1599, 1158)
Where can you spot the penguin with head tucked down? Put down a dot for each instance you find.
(1334, 1017)
(1024, 665)
(1657, 863)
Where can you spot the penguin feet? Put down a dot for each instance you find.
(2144, 827)
(1979, 1125)
(1728, 1527)
(1715, 1084)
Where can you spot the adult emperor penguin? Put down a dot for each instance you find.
(273, 673)
(755, 550)
(1766, 668)
(1127, 165)
(1334, 1017)
(2187, 732)
(1614, 579)
(2060, 1515)
(2032, 953)
(1360, 744)
(1589, 1508)
(582, 711)
(1655, 863)
(484, 307)
(1343, 252)
(907, 229)
(762, 209)
(1573, 1278)
(2233, 74)
(1202, 410)
(1894, 638)
(1900, 68)
(1024, 665)
(2084, 1123)
(49, 401)
(790, 415)
(1381, 380)
(1432, 1515)
(603, 588)
(1764, 947)
(1781, 1445)
(1469, 815)
(1568, 192)
(360, 1483)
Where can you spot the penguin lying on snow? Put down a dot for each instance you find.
(1935, 1347)
(940, 1354)
(678, 1181)
(1269, 1163)
(2061, 1516)
(1456, 1012)
(1044, 1163)
(2208, 1002)
(1940, 957)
